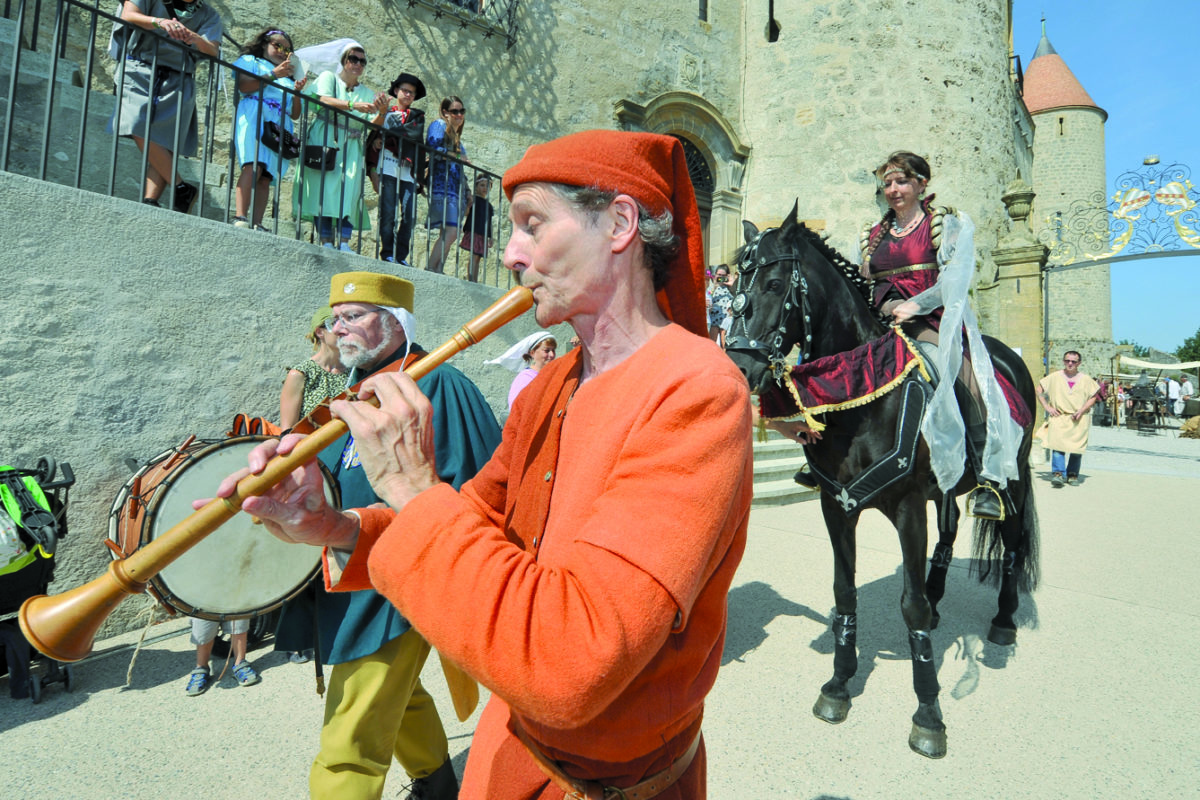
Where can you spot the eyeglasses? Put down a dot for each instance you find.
(283, 48)
(456, 111)
(356, 60)
(349, 319)
(406, 90)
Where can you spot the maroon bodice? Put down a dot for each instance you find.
(892, 253)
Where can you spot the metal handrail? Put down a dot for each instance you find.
(216, 151)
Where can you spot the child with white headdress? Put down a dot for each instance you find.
(526, 358)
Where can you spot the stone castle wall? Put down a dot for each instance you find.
(852, 82)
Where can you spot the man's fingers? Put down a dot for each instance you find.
(227, 486)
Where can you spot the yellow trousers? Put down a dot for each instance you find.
(375, 708)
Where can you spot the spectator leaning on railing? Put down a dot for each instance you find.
(334, 194)
(157, 85)
(445, 177)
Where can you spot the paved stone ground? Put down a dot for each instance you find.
(1098, 699)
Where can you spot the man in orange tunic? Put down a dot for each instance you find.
(582, 574)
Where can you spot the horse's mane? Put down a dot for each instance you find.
(843, 266)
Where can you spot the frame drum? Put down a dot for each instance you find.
(238, 570)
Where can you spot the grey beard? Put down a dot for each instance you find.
(354, 356)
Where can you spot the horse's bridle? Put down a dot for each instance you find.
(797, 296)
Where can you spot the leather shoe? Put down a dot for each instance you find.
(441, 785)
(805, 478)
(985, 503)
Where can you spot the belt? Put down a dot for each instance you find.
(901, 270)
(575, 789)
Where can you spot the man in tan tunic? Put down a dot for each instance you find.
(1068, 395)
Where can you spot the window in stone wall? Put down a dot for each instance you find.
(698, 169)
(488, 17)
(704, 10)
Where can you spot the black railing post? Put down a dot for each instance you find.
(87, 96)
(48, 118)
(12, 88)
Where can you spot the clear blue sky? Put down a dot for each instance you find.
(1138, 62)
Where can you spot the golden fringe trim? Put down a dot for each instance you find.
(809, 414)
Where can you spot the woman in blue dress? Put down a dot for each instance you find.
(264, 66)
(445, 177)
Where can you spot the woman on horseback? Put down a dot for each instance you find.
(920, 259)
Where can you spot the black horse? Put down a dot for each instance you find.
(794, 289)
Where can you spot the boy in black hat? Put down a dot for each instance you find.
(394, 162)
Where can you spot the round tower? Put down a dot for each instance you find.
(1068, 174)
(831, 89)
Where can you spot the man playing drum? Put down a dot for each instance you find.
(376, 706)
(582, 574)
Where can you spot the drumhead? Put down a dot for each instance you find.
(238, 570)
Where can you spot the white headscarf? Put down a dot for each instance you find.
(514, 357)
(326, 57)
(408, 323)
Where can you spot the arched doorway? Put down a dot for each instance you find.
(716, 161)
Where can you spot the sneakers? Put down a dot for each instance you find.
(1073, 480)
(185, 195)
(1056, 480)
(345, 247)
(441, 785)
(245, 674)
(300, 657)
(198, 681)
(150, 201)
(241, 222)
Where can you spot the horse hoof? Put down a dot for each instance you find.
(831, 709)
(1002, 636)
(927, 742)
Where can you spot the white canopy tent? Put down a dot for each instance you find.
(1130, 361)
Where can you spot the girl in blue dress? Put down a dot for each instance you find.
(268, 59)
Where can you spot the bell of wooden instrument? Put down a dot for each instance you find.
(64, 626)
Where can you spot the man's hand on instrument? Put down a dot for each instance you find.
(294, 510)
(395, 441)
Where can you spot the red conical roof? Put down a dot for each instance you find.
(1049, 82)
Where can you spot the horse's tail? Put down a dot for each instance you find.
(992, 556)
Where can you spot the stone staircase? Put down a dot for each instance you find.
(775, 462)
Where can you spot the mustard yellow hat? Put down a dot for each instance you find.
(371, 287)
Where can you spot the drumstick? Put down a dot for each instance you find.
(64, 626)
